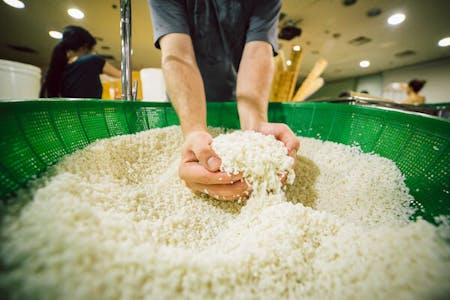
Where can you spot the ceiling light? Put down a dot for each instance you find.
(396, 19)
(15, 3)
(55, 34)
(364, 63)
(288, 62)
(296, 48)
(445, 42)
(75, 13)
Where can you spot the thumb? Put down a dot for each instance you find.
(205, 154)
(213, 163)
(207, 158)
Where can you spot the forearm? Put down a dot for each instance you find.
(254, 82)
(184, 83)
(110, 70)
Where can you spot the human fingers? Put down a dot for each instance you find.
(194, 172)
(284, 134)
(229, 192)
(199, 144)
(283, 178)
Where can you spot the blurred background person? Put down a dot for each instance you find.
(74, 70)
(412, 89)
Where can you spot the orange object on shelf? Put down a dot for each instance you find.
(112, 89)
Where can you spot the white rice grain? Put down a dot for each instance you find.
(114, 221)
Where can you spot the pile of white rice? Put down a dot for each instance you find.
(261, 159)
(114, 221)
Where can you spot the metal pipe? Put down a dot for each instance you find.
(125, 33)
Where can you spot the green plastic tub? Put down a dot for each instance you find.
(37, 133)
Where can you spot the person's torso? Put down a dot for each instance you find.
(218, 31)
(81, 78)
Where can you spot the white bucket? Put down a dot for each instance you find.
(153, 86)
(18, 80)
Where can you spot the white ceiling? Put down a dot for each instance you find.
(426, 22)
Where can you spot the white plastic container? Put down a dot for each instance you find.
(19, 80)
(153, 86)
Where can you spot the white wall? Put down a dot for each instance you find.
(436, 73)
(436, 90)
(372, 84)
(333, 89)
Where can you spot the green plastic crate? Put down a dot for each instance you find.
(37, 133)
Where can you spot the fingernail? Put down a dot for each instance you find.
(213, 162)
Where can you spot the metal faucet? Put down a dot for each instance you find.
(125, 33)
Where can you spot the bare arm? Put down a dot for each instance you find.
(183, 81)
(199, 164)
(253, 89)
(110, 70)
(254, 81)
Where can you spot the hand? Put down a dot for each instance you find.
(282, 133)
(285, 135)
(199, 168)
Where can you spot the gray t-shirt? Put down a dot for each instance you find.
(219, 30)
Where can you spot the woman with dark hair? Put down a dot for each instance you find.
(74, 68)
(413, 89)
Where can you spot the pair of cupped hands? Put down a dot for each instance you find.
(200, 166)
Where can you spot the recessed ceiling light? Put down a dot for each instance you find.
(364, 63)
(55, 34)
(396, 19)
(445, 42)
(296, 48)
(15, 3)
(75, 13)
(288, 62)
